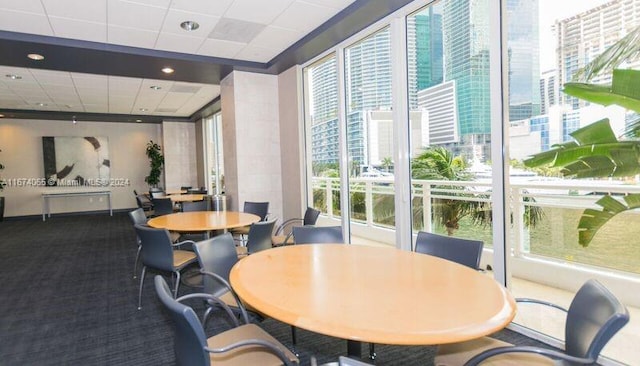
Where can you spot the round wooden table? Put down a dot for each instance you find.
(203, 220)
(372, 294)
(185, 197)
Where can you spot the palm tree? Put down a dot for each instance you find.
(438, 163)
(596, 152)
(387, 163)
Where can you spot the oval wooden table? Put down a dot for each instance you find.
(203, 220)
(372, 294)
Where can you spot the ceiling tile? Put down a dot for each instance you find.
(338, 4)
(90, 81)
(263, 12)
(177, 43)
(132, 37)
(76, 29)
(175, 17)
(86, 10)
(236, 30)
(15, 21)
(134, 15)
(304, 17)
(31, 6)
(208, 7)
(220, 48)
(257, 54)
(158, 3)
(48, 77)
(119, 83)
(276, 38)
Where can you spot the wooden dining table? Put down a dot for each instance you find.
(198, 221)
(175, 198)
(372, 294)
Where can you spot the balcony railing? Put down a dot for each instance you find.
(614, 251)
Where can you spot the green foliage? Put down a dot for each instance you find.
(596, 152)
(156, 161)
(438, 163)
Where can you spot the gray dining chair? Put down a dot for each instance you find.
(260, 209)
(216, 257)
(158, 253)
(593, 318)
(317, 234)
(284, 234)
(464, 251)
(245, 344)
(162, 206)
(137, 217)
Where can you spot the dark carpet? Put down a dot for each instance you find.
(67, 297)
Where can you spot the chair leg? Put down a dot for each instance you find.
(175, 291)
(294, 340)
(135, 264)
(372, 351)
(144, 270)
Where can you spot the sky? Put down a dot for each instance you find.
(549, 12)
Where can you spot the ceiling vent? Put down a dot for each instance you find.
(178, 88)
(236, 30)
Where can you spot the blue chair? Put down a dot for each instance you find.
(282, 237)
(463, 251)
(245, 344)
(158, 253)
(317, 234)
(594, 317)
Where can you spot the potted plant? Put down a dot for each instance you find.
(2, 184)
(156, 161)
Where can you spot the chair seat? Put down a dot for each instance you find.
(183, 257)
(228, 299)
(280, 240)
(250, 355)
(243, 230)
(457, 354)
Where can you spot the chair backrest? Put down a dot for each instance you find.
(201, 190)
(594, 317)
(162, 206)
(259, 237)
(346, 361)
(137, 216)
(463, 251)
(261, 209)
(195, 206)
(190, 338)
(310, 216)
(317, 234)
(157, 251)
(216, 255)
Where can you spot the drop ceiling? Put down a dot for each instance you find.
(102, 58)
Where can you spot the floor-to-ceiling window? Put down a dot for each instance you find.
(554, 239)
(449, 103)
(323, 136)
(452, 54)
(369, 132)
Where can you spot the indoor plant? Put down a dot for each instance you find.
(156, 160)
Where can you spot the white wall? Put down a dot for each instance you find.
(251, 131)
(21, 145)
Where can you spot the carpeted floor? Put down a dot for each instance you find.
(68, 298)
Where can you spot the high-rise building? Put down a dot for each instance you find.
(549, 90)
(584, 36)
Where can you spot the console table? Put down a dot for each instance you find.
(46, 196)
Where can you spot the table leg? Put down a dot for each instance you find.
(354, 349)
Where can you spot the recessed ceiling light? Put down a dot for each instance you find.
(14, 76)
(143, 109)
(155, 87)
(189, 25)
(167, 70)
(138, 120)
(42, 104)
(35, 56)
